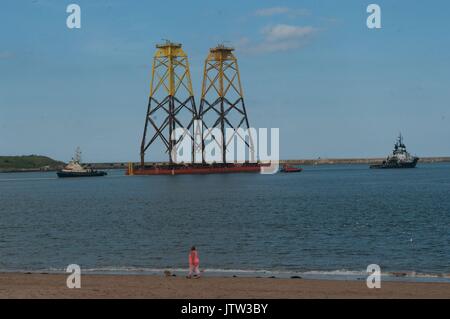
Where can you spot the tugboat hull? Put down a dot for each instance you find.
(397, 165)
(81, 174)
(290, 169)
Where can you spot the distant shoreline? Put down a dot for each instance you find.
(333, 161)
(28, 163)
(319, 161)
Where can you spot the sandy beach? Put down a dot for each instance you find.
(18, 285)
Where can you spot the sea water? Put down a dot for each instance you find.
(329, 221)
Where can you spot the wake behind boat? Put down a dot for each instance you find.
(76, 169)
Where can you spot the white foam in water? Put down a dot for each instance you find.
(340, 274)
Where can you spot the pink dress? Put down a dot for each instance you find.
(194, 262)
(193, 259)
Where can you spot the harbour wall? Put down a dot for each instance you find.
(305, 162)
(319, 161)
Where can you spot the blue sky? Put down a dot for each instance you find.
(311, 68)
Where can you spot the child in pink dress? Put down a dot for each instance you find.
(194, 263)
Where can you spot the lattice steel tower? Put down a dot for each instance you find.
(171, 103)
(222, 101)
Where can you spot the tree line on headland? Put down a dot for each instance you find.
(28, 163)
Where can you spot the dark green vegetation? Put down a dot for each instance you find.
(28, 162)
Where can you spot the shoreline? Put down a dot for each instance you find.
(306, 162)
(20, 285)
(337, 275)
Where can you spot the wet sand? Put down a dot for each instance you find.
(17, 285)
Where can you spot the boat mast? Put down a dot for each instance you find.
(77, 157)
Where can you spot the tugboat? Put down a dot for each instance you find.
(290, 169)
(400, 158)
(75, 169)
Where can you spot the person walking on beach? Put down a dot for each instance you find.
(194, 263)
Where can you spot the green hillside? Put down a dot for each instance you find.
(28, 162)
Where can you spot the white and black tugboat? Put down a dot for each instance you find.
(76, 169)
(400, 158)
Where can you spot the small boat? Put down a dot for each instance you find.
(400, 158)
(290, 169)
(76, 169)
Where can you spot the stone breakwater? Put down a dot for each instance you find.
(331, 161)
(318, 161)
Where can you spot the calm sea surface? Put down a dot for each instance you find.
(325, 220)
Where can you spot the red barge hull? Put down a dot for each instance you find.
(194, 169)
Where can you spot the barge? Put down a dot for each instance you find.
(184, 169)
